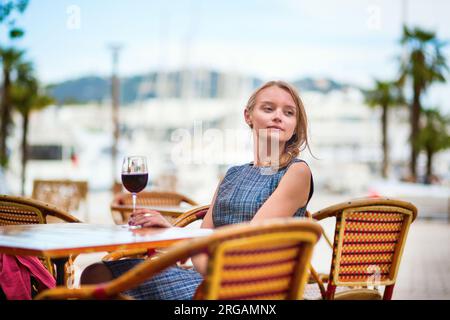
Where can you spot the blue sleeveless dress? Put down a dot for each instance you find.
(241, 193)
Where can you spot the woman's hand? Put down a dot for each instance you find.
(148, 218)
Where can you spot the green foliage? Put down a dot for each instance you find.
(385, 93)
(423, 65)
(434, 136)
(26, 95)
(10, 57)
(16, 33)
(425, 62)
(7, 8)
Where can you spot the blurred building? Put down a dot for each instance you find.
(192, 133)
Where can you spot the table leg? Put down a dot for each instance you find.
(60, 263)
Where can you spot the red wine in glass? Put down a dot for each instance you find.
(134, 175)
(134, 182)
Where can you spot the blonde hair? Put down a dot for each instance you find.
(299, 140)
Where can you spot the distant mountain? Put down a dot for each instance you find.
(82, 90)
(322, 85)
(204, 84)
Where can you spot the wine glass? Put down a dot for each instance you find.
(134, 175)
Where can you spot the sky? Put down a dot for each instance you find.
(350, 40)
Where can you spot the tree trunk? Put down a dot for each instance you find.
(384, 139)
(415, 117)
(24, 150)
(5, 117)
(429, 177)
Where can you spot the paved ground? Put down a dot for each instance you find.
(424, 271)
(425, 267)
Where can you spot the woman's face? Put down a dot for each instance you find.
(274, 111)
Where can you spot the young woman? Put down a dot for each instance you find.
(275, 184)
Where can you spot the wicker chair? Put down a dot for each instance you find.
(266, 260)
(145, 198)
(18, 210)
(182, 221)
(67, 195)
(369, 238)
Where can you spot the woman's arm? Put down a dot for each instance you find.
(290, 195)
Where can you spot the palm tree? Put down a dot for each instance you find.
(423, 65)
(434, 137)
(7, 9)
(385, 94)
(10, 58)
(26, 97)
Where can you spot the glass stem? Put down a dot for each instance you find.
(133, 195)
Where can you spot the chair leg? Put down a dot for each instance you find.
(388, 291)
(330, 292)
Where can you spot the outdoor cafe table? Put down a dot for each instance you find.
(172, 211)
(60, 240)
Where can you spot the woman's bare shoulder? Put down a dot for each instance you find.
(299, 170)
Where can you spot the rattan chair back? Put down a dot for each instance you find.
(19, 210)
(266, 260)
(15, 213)
(154, 198)
(191, 216)
(146, 198)
(369, 239)
(64, 194)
